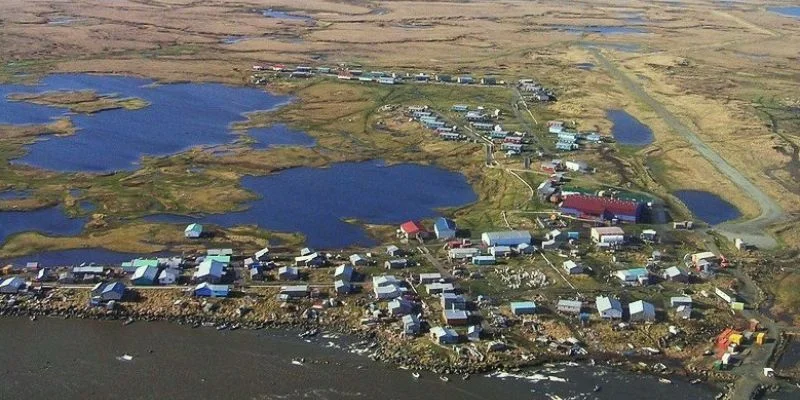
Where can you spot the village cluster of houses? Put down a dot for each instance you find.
(433, 121)
(535, 91)
(382, 77)
(569, 139)
(600, 207)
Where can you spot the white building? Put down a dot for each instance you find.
(572, 268)
(608, 235)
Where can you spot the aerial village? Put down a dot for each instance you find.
(595, 279)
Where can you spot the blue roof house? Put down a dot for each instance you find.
(107, 291)
(343, 273)
(444, 229)
(206, 289)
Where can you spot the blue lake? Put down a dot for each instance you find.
(280, 135)
(14, 194)
(789, 11)
(179, 117)
(628, 130)
(602, 30)
(49, 221)
(708, 207)
(315, 201)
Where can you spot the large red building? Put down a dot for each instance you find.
(603, 208)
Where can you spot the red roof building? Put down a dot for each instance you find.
(603, 208)
(412, 228)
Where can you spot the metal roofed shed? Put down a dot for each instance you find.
(144, 276)
(193, 231)
(642, 311)
(444, 228)
(506, 238)
(523, 307)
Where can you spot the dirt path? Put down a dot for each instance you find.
(752, 231)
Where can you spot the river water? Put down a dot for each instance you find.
(176, 362)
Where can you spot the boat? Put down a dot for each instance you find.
(695, 381)
(33, 318)
(444, 378)
(235, 327)
(664, 380)
(465, 377)
(415, 375)
(127, 322)
(125, 357)
(596, 388)
(298, 361)
(196, 325)
(309, 333)
(222, 327)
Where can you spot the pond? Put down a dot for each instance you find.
(602, 30)
(14, 194)
(179, 117)
(49, 221)
(316, 201)
(278, 14)
(586, 66)
(789, 11)
(279, 135)
(708, 207)
(628, 130)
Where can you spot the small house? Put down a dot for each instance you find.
(107, 291)
(488, 81)
(572, 268)
(500, 251)
(678, 301)
(193, 231)
(608, 307)
(429, 277)
(167, 276)
(634, 276)
(306, 251)
(410, 325)
(262, 255)
(386, 287)
(11, 285)
(465, 80)
(400, 307)
(444, 78)
(144, 276)
(444, 335)
(209, 271)
(393, 251)
(413, 229)
(288, 274)
(344, 273)
(459, 108)
(577, 166)
(43, 275)
(439, 288)
(725, 295)
(444, 229)
(310, 260)
(206, 289)
(450, 301)
(293, 292)
(483, 260)
(683, 312)
(569, 306)
(675, 274)
(357, 260)
(608, 235)
(455, 317)
(641, 311)
(523, 308)
(396, 263)
(525, 248)
(463, 253)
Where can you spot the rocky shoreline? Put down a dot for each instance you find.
(371, 342)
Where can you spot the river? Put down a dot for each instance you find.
(77, 359)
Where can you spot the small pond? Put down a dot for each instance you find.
(788, 11)
(708, 207)
(179, 116)
(315, 201)
(49, 221)
(628, 130)
(14, 194)
(586, 66)
(278, 14)
(280, 135)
